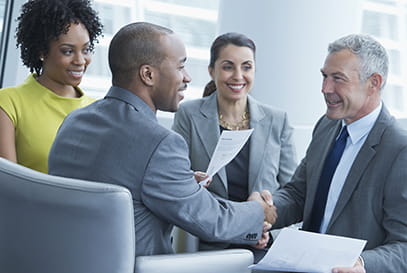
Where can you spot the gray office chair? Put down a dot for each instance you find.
(51, 224)
(220, 261)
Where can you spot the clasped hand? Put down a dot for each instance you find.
(270, 214)
(266, 201)
(264, 198)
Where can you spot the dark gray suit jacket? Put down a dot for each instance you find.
(118, 140)
(373, 202)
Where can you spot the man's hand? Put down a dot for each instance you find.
(201, 176)
(266, 201)
(357, 268)
(266, 195)
(262, 243)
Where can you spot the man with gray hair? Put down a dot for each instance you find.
(352, 180)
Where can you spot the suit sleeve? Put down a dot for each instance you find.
(170, 191)
(392, 255)
(290, 200)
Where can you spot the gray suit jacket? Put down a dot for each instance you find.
(272, 158)
(373, 201)
(118, 140)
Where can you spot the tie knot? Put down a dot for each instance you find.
(344, 133)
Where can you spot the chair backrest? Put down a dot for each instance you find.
(220, 261)
(52, 224)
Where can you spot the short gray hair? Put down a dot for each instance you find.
(373, 56)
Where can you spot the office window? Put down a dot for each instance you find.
(386, 20)
(186, 28)
(3, 38)
(113, 17)
(99, 66)
(395, 96)
(392, 2)
(395, 62)
(212, 5)
(380, 24)
(2, 11)
(193, 20)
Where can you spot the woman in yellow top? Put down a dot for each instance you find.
(56, 38)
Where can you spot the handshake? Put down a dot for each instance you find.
(266, 201)
(270, 215)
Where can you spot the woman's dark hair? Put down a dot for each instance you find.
(230, 38)
(42, 21)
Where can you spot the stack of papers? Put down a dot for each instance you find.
(301, 251)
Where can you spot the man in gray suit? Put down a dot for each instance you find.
(118, 140)
(367, 195)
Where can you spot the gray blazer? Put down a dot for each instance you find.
(272, 158)
(118, 140)
(373, 201)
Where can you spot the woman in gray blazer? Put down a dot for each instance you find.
(268, 159)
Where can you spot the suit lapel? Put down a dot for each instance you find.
(258, 140)
(316, 163)
(207, 125)
(362, 160)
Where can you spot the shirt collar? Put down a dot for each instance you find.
(360, 128)
(132, 99)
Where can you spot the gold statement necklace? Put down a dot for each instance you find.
(241, 125)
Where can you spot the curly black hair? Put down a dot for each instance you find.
(42, 21)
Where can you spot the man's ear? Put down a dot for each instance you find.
(375, 82)
(147, 74)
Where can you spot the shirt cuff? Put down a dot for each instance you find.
(271, 240)
(362, 261)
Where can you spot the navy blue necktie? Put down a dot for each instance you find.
(328, 171)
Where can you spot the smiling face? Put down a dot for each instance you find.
(172, 78)
(67, 60)
(233, 72)
(345, 95)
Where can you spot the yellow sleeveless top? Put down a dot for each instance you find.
(36, 113)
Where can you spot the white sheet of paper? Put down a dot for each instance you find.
(301, 251)
(229, 145)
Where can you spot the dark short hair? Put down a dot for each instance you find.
(134, 45)
(230, 38)
(42, 21)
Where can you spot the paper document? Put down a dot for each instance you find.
(301, 251)
(229, 145)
